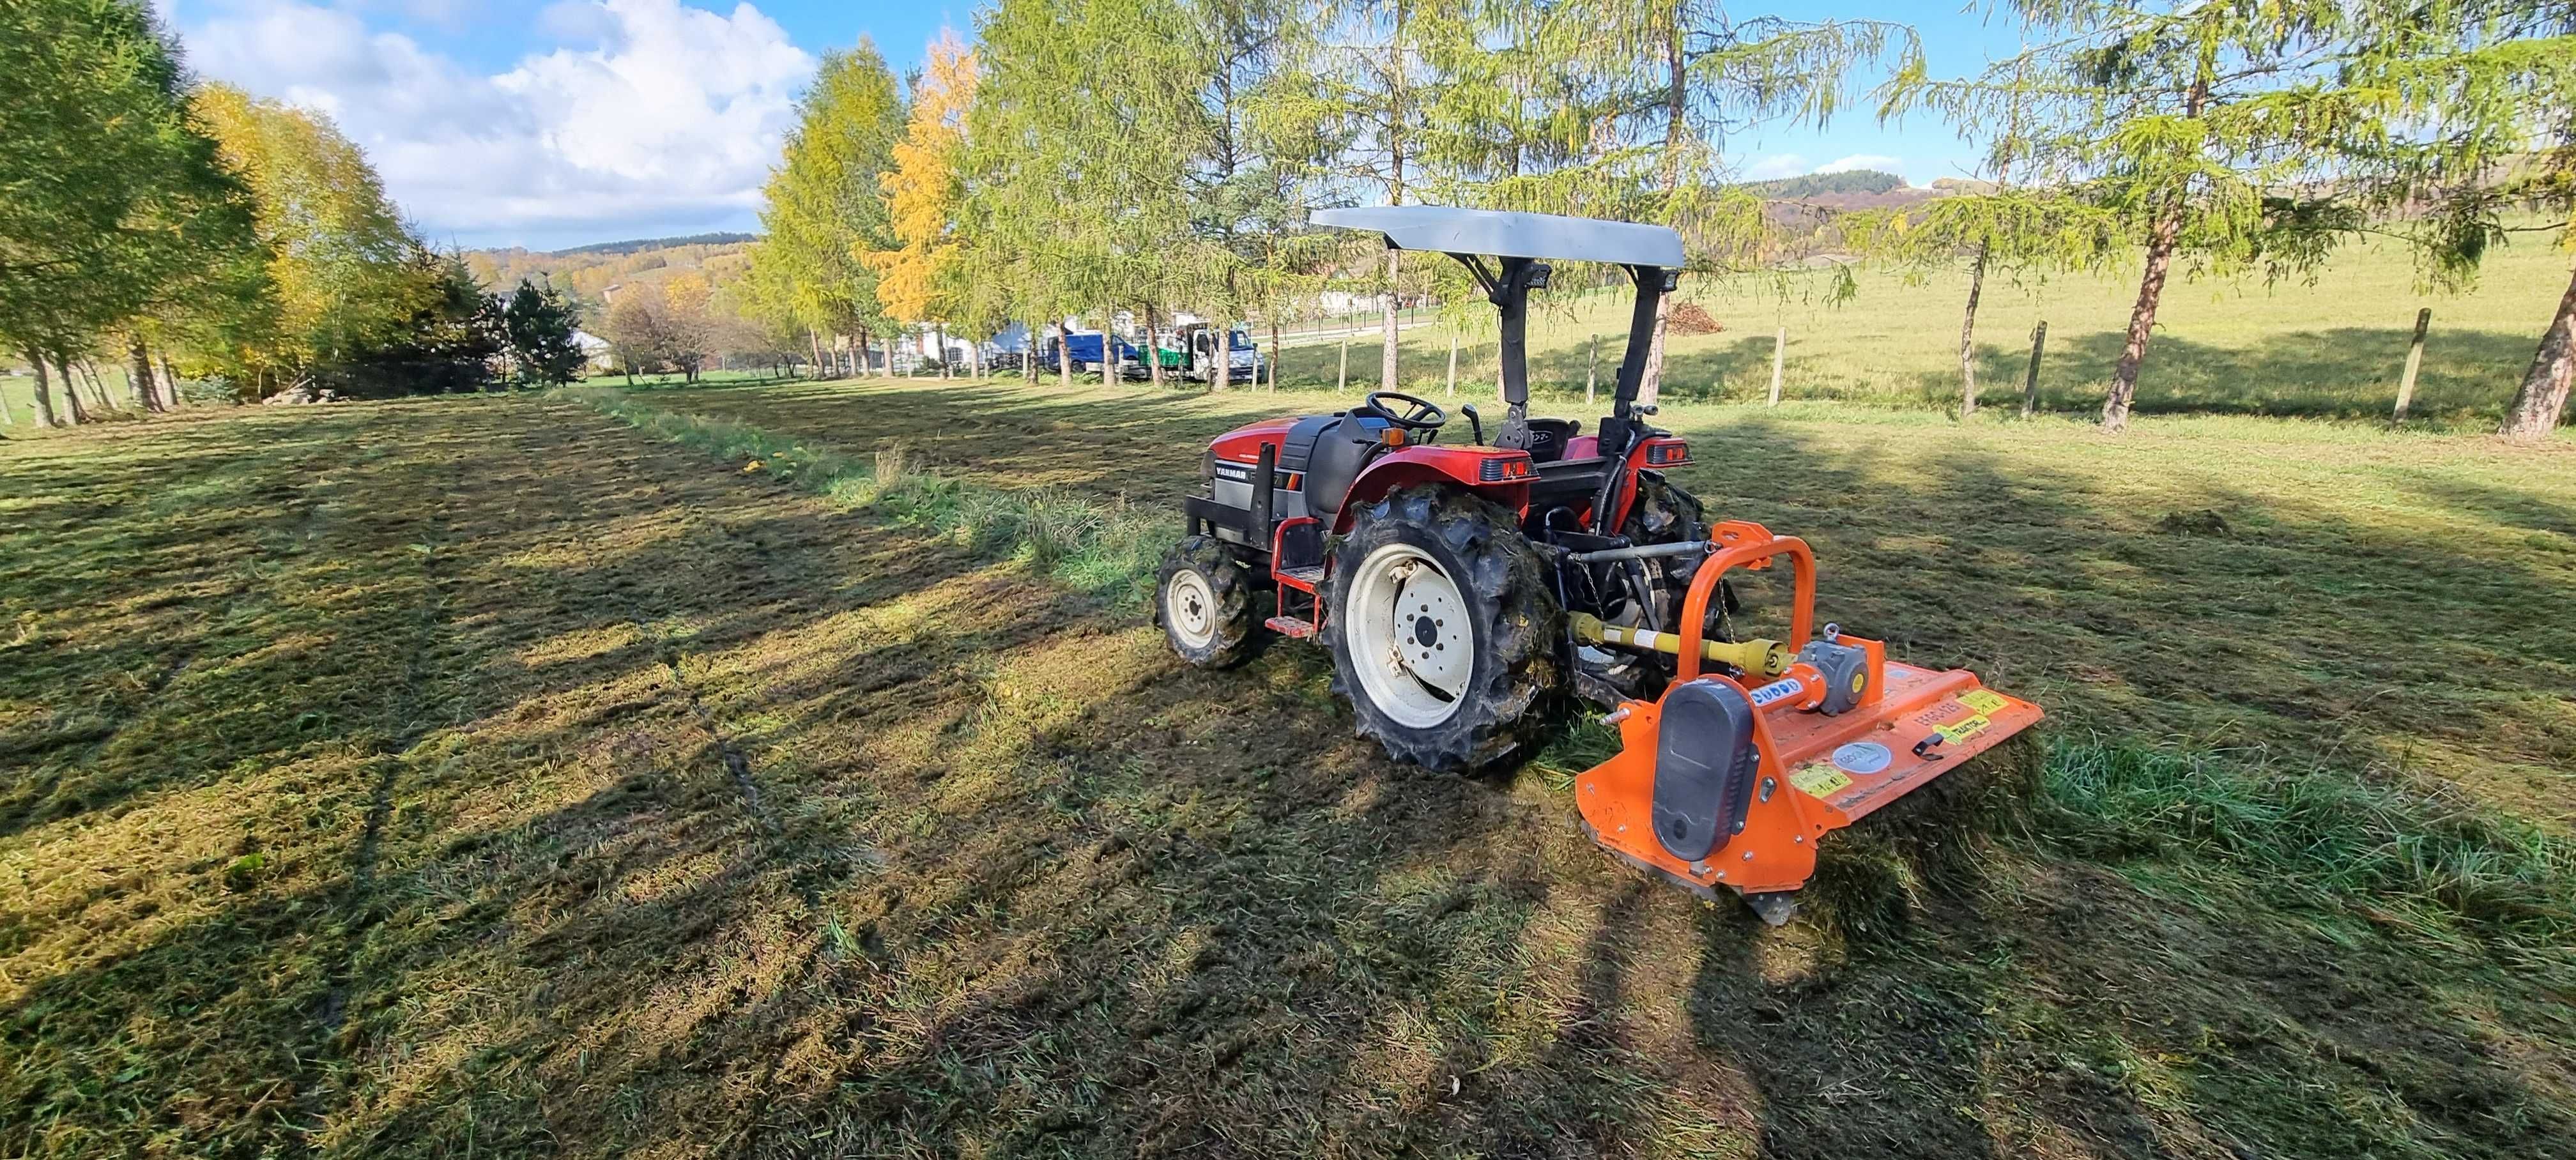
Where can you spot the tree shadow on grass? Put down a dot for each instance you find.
(1043, 890)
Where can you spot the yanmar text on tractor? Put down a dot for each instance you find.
(1462, 586)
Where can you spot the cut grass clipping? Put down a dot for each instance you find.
(1108, 551)
(2402, 857)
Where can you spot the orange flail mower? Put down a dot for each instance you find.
(1720, 785)
(1466, 588)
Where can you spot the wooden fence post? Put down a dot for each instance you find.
(2414, 361)
(1592, 377)
(2030, 380)
(1342, 379)
(1779, 361)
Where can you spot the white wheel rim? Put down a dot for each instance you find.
(1189, 605)
(1411, 637)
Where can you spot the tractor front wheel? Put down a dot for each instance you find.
(1203, 599)
(1443, 629)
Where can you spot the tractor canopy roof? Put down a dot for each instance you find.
(1509, 234)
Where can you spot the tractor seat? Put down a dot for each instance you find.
(1330, 450)
(1548, 438)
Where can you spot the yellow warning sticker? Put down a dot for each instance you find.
(1958, 731)
(1983, 700)
(1818, 779)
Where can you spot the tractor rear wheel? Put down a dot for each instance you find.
(1443, 628)
(1203, 599)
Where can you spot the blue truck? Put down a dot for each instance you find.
(1085, 350)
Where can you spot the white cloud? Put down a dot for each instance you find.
(1777, 165)
(1879, 161)
(651, 116)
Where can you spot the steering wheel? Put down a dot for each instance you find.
(1420, 414)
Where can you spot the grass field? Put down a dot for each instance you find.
(521, 774)
(2333, 348)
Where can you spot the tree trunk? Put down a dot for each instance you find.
(813, 346)
(2542, 399)
(44, 393)
(169, 381)
(147, 394)
(1064, 356)
(97, 386)
(1153, 350)
(1453, 362)
(1222, 375)
(71, 392)
(1342, 377)
(1650, 384)
(1274, 350)
(1386, 358)
(2151, 289)
(1108, 345)
(2142, 319)
(940, 332)
(1395, 119)
(1968, 332)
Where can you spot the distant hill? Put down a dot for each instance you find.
(718, 239)
(1849, 181)
(588, 272)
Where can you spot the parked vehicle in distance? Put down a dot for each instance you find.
(1085, 351)
(1198, 343)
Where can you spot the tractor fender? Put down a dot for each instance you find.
(1498, 474)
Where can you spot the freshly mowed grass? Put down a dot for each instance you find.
(2330, 348)
(496, 776)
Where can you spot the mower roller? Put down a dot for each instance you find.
(1465, 589)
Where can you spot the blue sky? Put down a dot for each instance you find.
(552, 124)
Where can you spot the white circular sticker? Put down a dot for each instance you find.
(1862, 757)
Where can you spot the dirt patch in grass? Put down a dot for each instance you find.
(442, 838)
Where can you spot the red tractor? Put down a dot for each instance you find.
(1465, 586)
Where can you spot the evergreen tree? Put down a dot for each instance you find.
(537, 327)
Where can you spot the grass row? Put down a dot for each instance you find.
(2410, 858)
(1103, 550)
(2426, 861)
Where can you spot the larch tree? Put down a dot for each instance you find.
(825, 206)
(1382, 81)
(1710, 75)
(2478, 145)
(1258, 149)
(918, 280)
(2213, 128)
(1024, 137)
(2019, 221)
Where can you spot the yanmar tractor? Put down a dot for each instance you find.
(1466, 586)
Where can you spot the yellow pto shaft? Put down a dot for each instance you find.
(1766, 657)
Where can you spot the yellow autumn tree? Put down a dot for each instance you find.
(915, 279)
